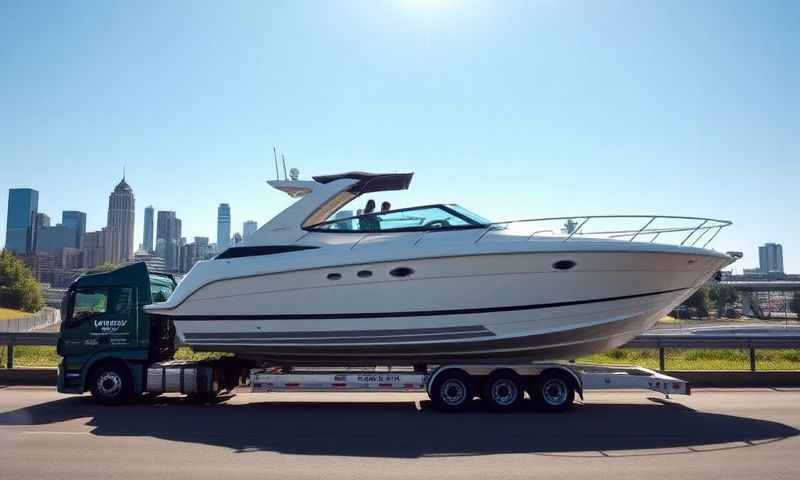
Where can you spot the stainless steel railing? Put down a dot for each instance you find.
(652, 226)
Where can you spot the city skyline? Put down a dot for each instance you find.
(502, 108)
(169, 227)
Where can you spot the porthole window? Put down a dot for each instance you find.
(334, 276)
(364, 274)
(401, 272)
(563, 264)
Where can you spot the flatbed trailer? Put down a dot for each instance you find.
(551, 385)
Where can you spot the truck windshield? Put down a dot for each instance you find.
(89, 302)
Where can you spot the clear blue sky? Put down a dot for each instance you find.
(513, 109)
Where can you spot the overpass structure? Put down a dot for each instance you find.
(751, 288)
(764, 285)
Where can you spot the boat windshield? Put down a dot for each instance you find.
(471, 215)
(429, 217)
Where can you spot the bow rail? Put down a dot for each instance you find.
(688, 231)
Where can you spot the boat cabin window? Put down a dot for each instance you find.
(406, 219)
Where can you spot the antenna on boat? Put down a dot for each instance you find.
(275, 155)
(285, 177)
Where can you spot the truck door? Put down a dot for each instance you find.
(100, 318)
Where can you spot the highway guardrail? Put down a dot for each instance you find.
(645, 341)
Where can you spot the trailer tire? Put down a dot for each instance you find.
(503, 391)
(111, 383)
(451, 391)
(553, 391)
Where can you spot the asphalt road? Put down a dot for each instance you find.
(720, 434)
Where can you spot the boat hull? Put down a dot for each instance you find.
(468, 308)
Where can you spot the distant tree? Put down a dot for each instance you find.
(699, 301)
(104, 268)
(721, 295)
(18, 288)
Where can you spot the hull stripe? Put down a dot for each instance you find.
(414, 339)
(395, 332)
(418, 313)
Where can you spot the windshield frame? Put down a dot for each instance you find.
(471, 223)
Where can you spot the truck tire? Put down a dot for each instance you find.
(111, 384)
(503, 391)
(552, 391)
(451, 391)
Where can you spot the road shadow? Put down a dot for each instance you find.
(400, 430)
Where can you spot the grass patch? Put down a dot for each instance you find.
(10, 314)
(676, 358)
(625, 356)
(31, 356)
(669, 321)
(700, 359)
(185, 353)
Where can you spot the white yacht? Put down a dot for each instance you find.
(435, 283)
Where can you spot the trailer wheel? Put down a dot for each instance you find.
(503, 391)
(553, 391)
(111, 384)
(451, 391)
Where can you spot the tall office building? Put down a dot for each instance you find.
(53, 240)
(42, 220)
(770, 258)
(96, 248)
(168, 236)
(23, 204)
(147, 241)
(223, 227)
(121, 215)
(194, 252)
(248, 228)
(168, 226)
(77, 221)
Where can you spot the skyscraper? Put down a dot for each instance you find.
(168, 235)
(23, 204)
(42, 220)
(96, 248)
(248, 228)
(77, 221)
(770, 258)
(147, 241)
(223, 227)
(121, 215)
(53, 240)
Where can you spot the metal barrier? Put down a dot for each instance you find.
(43, 318)
(646, 341)
(750, 342)
(25, 338)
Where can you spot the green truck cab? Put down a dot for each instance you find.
(107, 339)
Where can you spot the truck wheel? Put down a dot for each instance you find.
(111, 384)
(503, 391)
(553, 392)
(451, 391)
